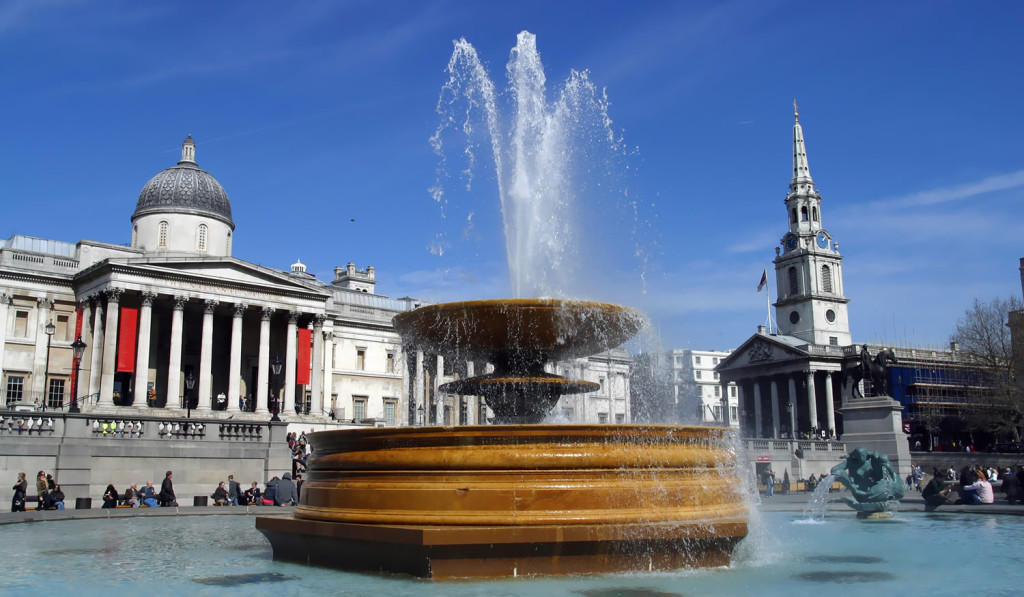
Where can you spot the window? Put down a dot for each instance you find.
(361, 359)
(21, 324)
(697, 373)
(15, 388)
(602, 417)
(55, 394)
(390, 406)
(162, 234)
(620, 418)
(716, 374)
(696, 360)
(358, 408)
(826, 278)
(390, 365)
(600, 381)
(201, 238)
(792, 216)
(718, 391)
(714, 361)
(803, 214)
(734, 413)
(717, 409)
(794, 281)
(814, 213)
(833, 341)
(732, 391)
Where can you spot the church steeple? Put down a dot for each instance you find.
(808, 266)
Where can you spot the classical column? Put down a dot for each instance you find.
(235, 372)
(174, 363)
(793, 400)
(110, 347)
(830, 407)
(775, 409)
(290, 362)
(263, 377)
(758, 422)
(328, 374)
(206, 357)
(142, 358)
(39, 364)
(97, 344)
(812, 404)
(419, 389)
(725, 402)
(5, 304)
(317, 375)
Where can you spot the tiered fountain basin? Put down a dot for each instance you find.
(494, 501)
(512, 500)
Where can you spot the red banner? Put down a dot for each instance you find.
(78, 334)
(302, 367)
(126, 340)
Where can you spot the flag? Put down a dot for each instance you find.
(764, 281)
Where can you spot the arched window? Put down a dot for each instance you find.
(803, 214)
(201, 238)
(792, 216)
(794, 281)
(814, 214)
(826, 278)
(162, 234)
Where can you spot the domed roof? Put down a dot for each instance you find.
(185, 188)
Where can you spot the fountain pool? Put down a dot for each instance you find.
(785, 554)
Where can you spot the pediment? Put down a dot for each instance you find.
(759, 350)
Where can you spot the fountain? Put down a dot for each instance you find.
(518, 498)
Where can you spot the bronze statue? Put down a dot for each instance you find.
(871, 479)
(875, 370)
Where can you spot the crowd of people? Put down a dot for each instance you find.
(974, 485)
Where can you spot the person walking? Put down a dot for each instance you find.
(20, 488)
(42, 488)
(769, 482)
(234, 490)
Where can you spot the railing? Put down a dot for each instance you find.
(17, 423)
(788, 446)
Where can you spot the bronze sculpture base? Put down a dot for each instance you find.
(496, 500)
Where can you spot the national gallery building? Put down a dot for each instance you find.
(174, 325)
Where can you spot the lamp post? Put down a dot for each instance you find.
(50, 330)
(419, 418)
(190, 384)
(79, 349)
(275, 372)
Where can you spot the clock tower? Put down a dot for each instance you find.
(808, 267)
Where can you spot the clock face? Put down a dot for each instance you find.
(822, 240)
(790, 242)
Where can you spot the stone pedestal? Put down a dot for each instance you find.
(875, 423)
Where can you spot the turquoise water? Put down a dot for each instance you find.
(786, 554)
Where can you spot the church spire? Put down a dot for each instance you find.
(801, 169)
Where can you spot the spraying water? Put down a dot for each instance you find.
(553, 161)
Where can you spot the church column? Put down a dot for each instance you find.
(5, 305)
(795, 402)
(235, 367)
(206, 357)
(758, 422)
(812, 404)
(316, 381)
(263, 376)
(419, 394)
(110, 347)
(328, 382)
(174, 363)
(290, 362)
(142, 357)
(775, 408)
(39, 361)
(97, 344)
(830, 407)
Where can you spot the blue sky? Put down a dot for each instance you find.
(312, 114)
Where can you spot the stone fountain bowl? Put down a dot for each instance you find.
(496, 330)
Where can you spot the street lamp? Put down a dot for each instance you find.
(275, 371)
(419, 420)
(79, 349)
(190, 384)
(50, 330)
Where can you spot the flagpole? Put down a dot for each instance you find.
(768, 302)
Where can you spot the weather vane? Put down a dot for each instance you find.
(796, 114)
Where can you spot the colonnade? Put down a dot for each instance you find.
(103, 311)
(790, 408)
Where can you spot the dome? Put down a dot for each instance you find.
(185, 188)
